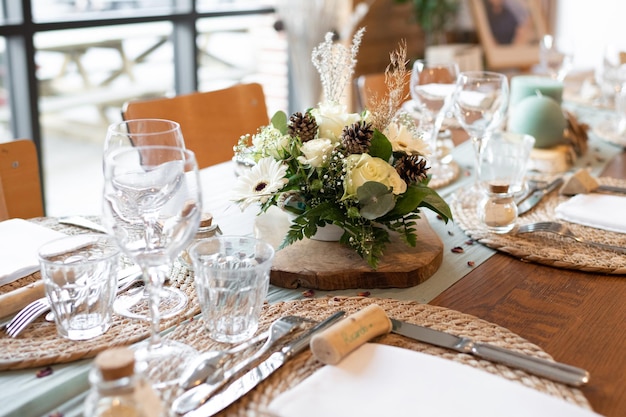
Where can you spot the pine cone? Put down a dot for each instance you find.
(576, 134)
(302, 125)
(357, 137)
(411, 168)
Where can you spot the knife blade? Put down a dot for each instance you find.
(555, 371)
(534, 199)
(83, 222)
(202, 402)
(339, 340)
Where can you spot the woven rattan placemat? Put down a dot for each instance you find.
(545, 248)
(304, 364)
(39, 344)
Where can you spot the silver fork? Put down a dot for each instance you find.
(562, 230)
(40, 306)
(27, 315)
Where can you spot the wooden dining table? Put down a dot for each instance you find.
(578, 317)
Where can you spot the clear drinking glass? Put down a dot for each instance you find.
(608, 73)
(480, 102)
(152, 206)
(80, 276)
(131, 133)
(432, 85)
(232, 279)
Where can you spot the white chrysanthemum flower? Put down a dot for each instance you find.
(260, 182)
(404, 139)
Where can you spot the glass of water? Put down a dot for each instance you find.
(80, 277)
(232, 279)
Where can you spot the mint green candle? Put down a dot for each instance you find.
(538, 116)
(523, 86)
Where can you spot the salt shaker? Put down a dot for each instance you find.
(498, 210)
(117, 390)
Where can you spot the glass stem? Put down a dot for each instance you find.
(438, 122)
(155, 279)
(479, 145)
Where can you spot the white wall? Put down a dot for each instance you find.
(591, 24)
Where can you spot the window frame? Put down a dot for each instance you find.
(19, 30)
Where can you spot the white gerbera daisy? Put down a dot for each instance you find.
(260, 182)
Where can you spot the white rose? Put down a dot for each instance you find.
(403, 140)
(331, 118)
(315, 152)
(363, 168)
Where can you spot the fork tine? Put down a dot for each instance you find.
(16, 331)
(25, 317)
(22, 316)
(25, 312)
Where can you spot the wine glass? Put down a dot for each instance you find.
(152, 206)
(431, 86)
(131, 133)
(480, 102)
(556, 56)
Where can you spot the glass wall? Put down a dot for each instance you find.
(76, 62)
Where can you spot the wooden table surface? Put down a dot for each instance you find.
(577, 317)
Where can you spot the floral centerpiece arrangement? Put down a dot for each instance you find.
(363, 172)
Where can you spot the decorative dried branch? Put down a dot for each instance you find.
(385, 108)
(335, 64)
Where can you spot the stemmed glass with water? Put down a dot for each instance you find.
(480, 103)
(152, 206)
(432, 84)
(132, 133)
(556, 56)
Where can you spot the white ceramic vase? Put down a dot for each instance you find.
(328, 233)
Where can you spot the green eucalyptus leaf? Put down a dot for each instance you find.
(279, 121)
(376, 199)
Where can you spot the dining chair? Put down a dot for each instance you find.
(212, 122)
(370, 87)
(20, 184)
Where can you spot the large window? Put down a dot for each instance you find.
(67, 71)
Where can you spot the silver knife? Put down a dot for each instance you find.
(534, 199)
(336, 342)
(208, 405)
(554, 371)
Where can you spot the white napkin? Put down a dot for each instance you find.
(602, 211)
(379, 380)
(19, 242)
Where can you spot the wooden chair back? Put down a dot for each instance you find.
(212, 122)
(371, 87)
(20, 185)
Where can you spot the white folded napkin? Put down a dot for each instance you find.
(379, 380)
(19, 242)
(602, 211)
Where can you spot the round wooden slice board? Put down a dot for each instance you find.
(331, 266)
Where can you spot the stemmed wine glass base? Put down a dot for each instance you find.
(135, 305)
(443, 174)
(163, 363)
